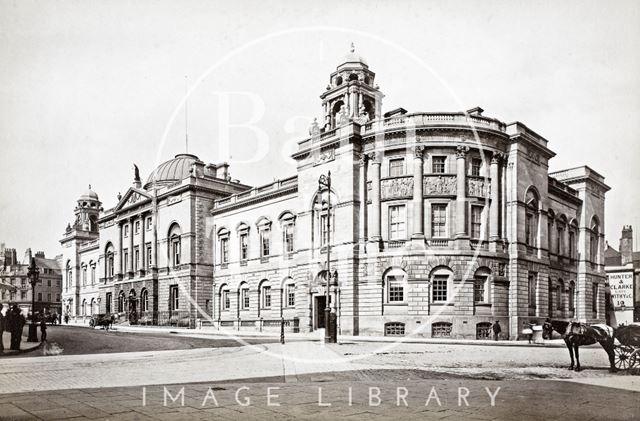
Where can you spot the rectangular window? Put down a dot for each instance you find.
(49, 297)
(244, 296)
(438, 220)
(126, 230)
(395, 289)
(476, 164)
(532, 281)
(136, 258)
(148, 255)
(291, 295)
(148, 223)
(439, 288)
(125, 260)
(288, 238)
(479, 289)
(23, 295)
(58, 283)
(175, 246)
(226, 300)
(244, 246)
(110, 265)
(224, 250)
(48, 282)
(396, 167)
(476, 221)
(437, 164)
(266, 297)
(174, 302)
(530, 230)
(57, 297)
(265, 240)
(397, 223)
(324, 234)
(137, 227)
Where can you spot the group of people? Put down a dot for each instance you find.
(13, 322)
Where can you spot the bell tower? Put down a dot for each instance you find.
(87, 212)
(351, 95)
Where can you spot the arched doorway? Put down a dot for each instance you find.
(133, 308)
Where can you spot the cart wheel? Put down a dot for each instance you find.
(624, 357)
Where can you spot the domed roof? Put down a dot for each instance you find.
(172, 170)
(89, 195)
(353, 57)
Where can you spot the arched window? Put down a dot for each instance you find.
(84, 307)
(394, 283)
(244, 296)
(441, 330)
(573, 229)
(91, 306)
(121, 299)
(532, 203)
(594, 241)
(560, 297)
(109, 261)
(440, 278)
(287, 222)
(175, 245)
(84, 274)
(572, 298)
(481, 285)
(550, 219)
(144, 300)
(265, 294)
(225, 298)
(353, 76)
(69, 275)
(338, 80)
(223, 238)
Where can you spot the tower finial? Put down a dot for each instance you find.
(353, 47)
(89, 186)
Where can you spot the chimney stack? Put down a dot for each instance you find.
(626, 244)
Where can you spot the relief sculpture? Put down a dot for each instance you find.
(396, 187)
(439, 185)
(477, 187)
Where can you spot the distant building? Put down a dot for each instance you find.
(15, 286)
(623, 279)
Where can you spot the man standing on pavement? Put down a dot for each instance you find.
(16, 323)
(496, 330)
(2, 325)
(43, 329)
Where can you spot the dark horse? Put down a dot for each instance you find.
(577, 334)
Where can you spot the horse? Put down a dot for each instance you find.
(577, 334)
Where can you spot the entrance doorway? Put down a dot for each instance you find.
(320, 305)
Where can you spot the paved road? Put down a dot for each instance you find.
(363, 394)
(73, 340)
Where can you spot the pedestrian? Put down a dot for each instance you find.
(529, 331)
(43, 329)
(66, 318)
(547, 329)
(496, 330)
(2, 326)
(17, 323)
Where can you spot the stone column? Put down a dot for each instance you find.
(131, 232)
(143, 247)
(461, 191)
(494, 207)
(118, 263)
(376, 225)
(418, 197)
(364, 223)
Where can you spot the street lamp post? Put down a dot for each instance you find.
(330, 332)
(34, 277)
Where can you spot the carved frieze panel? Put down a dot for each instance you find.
(478, 187)
(392, 188)
(439, 185)
(324, 156)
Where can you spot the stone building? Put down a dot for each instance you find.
(15, 286)
(441, 224)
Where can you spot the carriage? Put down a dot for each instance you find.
(104, 320)
(627, 346)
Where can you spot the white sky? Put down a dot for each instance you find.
(88, 87)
